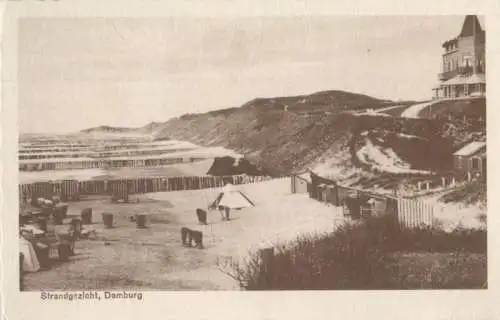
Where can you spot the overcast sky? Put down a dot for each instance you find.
(77, 73)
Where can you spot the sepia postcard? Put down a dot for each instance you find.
(256, 161)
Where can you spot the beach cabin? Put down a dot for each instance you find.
(470, 160)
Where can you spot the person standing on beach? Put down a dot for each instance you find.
(221, 211)
(25, 197)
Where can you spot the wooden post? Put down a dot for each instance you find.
(336, 195)
(21, 272)
(266, 267)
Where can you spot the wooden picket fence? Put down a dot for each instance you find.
(413, 213)
(70, 188)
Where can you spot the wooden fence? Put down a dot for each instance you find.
(358, 203)
(71, 188)
(91, 163)
(300, 185)
(414, 213)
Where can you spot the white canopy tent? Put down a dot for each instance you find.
(231, 198)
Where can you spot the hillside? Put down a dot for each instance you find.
(341, 134)
(281, 134)
(110, 129)
(150, 128)
(314, 131)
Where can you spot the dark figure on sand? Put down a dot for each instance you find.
(188, 236)
(202, 216)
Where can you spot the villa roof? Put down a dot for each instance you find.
(471, 26)
(470, 148)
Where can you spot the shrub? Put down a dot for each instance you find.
(361, 256)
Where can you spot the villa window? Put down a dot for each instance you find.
(475, 163)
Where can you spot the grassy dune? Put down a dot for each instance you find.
(376, 255)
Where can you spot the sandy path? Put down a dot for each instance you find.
(388, 108)
(413, 111)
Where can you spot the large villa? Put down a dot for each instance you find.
(463, 63)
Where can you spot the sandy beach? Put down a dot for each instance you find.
(153, 258)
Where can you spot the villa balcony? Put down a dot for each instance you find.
(447, 75)
(460, 71)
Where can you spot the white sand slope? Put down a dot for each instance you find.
(413, 111)
(452, 215)
(409, 136)
(384, 159)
